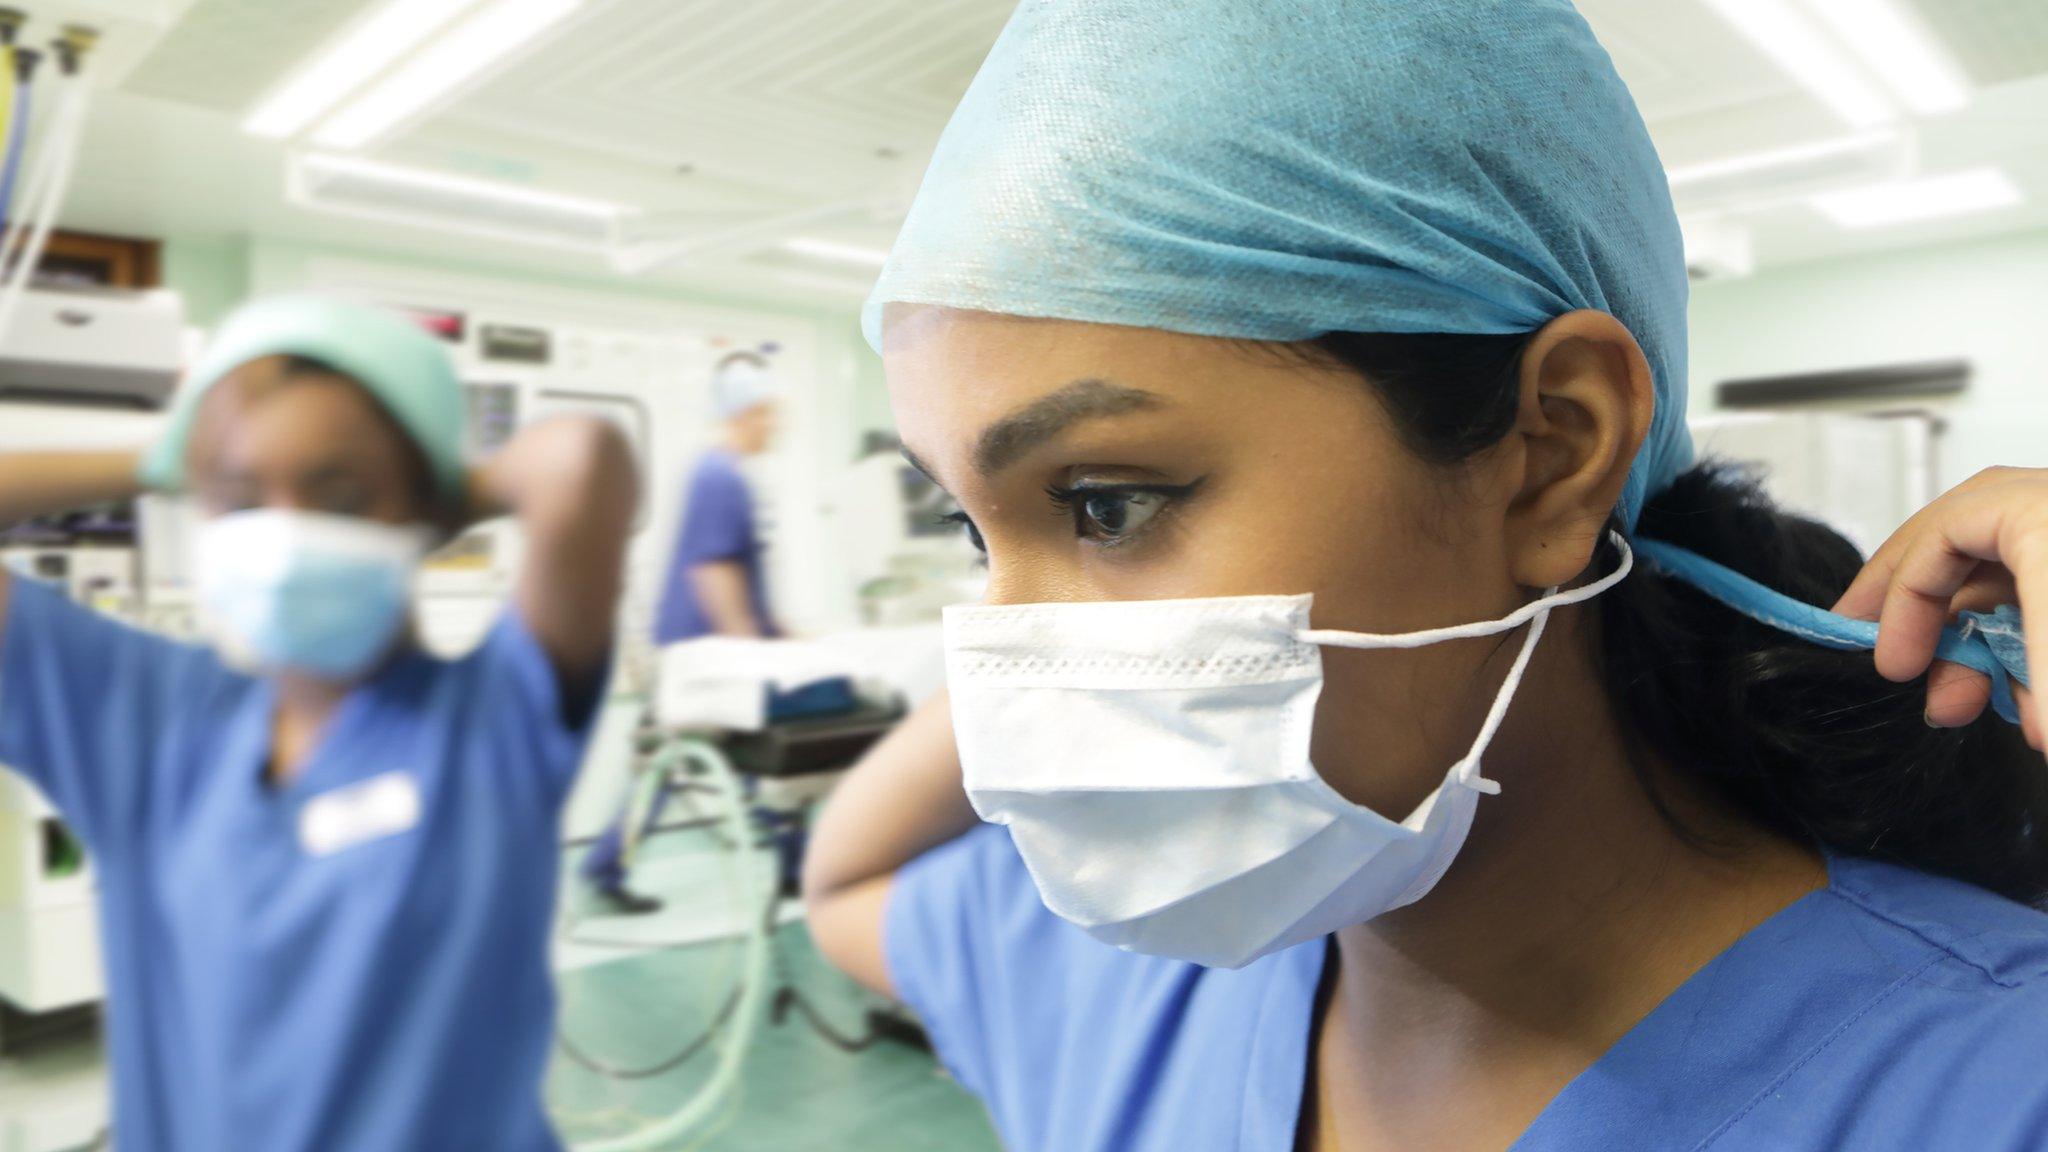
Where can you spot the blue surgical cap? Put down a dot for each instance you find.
(743, 383)
(408, 371)
(1280, 169)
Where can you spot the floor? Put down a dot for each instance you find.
(638, 1009)
(634, 992)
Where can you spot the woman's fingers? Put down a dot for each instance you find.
(1956, 695)
(1999, 524)
(1866, 594)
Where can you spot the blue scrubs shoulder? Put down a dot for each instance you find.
(354, 962)
(1891, 1010)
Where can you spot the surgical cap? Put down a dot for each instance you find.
(407, 370)
(742, 383)
(1280, 169)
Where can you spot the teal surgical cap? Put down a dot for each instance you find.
(398, 362)
(1280, 169)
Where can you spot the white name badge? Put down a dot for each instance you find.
(368, 810)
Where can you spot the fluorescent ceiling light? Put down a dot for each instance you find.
(1904, 54)
(1778, 158)
(834, 250)
(492, 34)
(431, 181)
(1905, 201)
(1789, 37)
(345, 64)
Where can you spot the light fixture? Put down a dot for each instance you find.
(1790, 38)
(1902, 52)
(341, 67)
(484, 38)
(1906, 201)
(834, 250)
(1794, 156)
(425, 179)
(418, 197)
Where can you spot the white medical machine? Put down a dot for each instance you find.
(906, 560)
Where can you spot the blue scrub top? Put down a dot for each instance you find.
(390, 995)
(718, 525)
(1890, 1010)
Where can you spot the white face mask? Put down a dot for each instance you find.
(1151, 759)
(284, 591)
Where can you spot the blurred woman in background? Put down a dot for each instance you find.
(325, 858)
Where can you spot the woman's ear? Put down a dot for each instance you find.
(1587, 398)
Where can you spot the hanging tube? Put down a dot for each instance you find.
(724, 1079)
(64, 143)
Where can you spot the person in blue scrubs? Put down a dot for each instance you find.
(1206, 307)
(326, 860)
(716, 583)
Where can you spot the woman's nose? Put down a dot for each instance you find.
(1023, 582)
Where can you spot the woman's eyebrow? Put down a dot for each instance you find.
(1006, 441)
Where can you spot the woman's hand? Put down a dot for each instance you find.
(1982, 544)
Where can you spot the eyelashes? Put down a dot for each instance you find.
(1107, 515)
(1115, 514)
(966, 522)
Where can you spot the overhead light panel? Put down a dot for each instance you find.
(1900, 50)
(427, 179)
(367, 48)
(490, 35)
(834, 250)
(1795, 156)
(1908, 201)
(1790, 38)
(392, 193)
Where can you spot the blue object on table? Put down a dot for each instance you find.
(828, 697)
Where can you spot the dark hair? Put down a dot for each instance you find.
(1807, 741)
(282, 370)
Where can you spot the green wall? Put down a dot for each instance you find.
(1980, 301)
(211, 272)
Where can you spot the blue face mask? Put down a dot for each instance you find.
(327, 596)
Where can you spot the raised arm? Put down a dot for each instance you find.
(902, 799)
(572, 485)
(43, 483)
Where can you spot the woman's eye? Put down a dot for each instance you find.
(1111, 515)
(973, 533)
